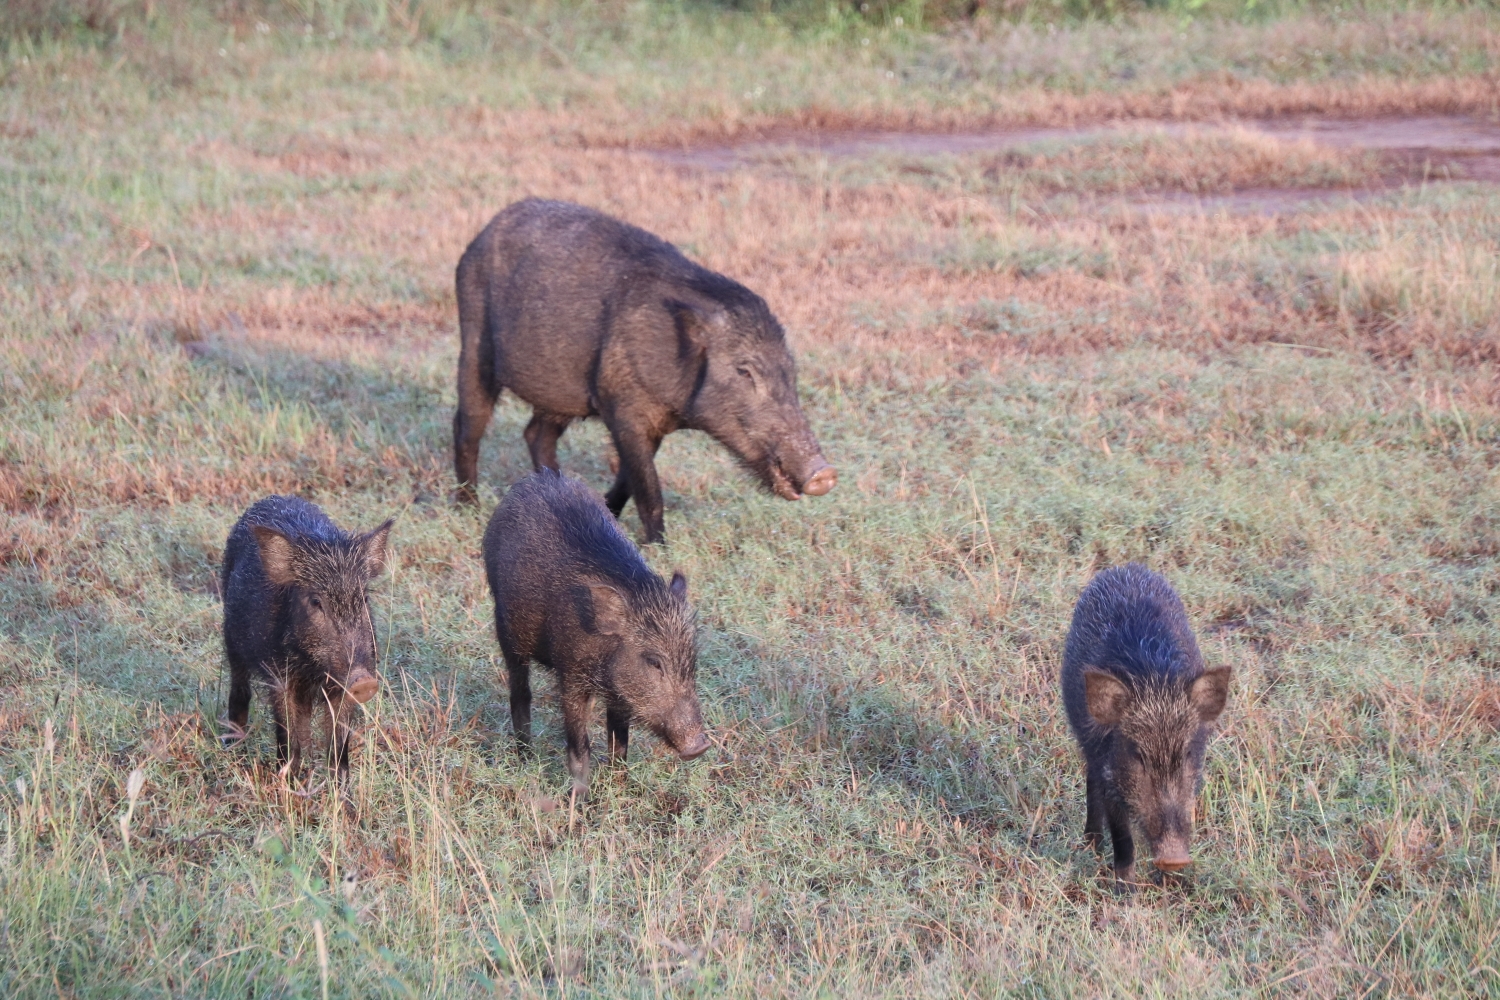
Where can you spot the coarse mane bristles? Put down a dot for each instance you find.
(674, 623)
(338, 570)
(1159, 717)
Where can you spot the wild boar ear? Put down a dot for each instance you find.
(1210, 692)
(278, 556)
(1106, 696)
(679, 586)
(601, 609)
(374, 548)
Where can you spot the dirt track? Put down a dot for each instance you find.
(1419, 149)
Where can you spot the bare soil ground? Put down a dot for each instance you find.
(1407, 150)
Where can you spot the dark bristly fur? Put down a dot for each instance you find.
(582, 315)
(296, 615)
(573, 593)
(1142, 707)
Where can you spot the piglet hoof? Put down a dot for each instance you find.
(232, 733)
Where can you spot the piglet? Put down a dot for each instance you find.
(573, 593)
(297, 616)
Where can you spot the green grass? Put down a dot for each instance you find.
(224, 276)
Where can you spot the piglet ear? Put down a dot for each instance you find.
(278, 556)
(679, 586)
(1210, 692)
(374, 548)
(601, 609)
(1106, 697)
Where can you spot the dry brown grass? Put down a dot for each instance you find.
(903, 269)
(1294, 416)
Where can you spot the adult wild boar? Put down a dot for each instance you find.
(582, 315)
(573, 593)
(296, 616)
(1143, 708)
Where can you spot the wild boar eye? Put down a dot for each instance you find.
(654, 663)
(745, 371)
(316, 602)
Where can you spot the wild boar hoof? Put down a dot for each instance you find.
(233, 733)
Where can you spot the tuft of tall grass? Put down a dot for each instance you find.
(1405, 283)
(39, 20)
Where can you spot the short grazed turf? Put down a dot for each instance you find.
(227, 275)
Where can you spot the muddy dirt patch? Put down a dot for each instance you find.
(1408, 150)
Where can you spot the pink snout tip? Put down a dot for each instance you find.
(363, 687)
(1173, 863)
(821, 482)
(694, 747)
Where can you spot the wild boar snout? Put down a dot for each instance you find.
(362, 685)
(684, 729)
(1171, 854)
(795, 473)
(824, 477)
(696, 746)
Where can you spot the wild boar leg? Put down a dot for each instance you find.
(577, 706)
(519, 672)
(476, 405)
(1093, 824)
(338, 751)
(617, 723)
(238, 712)
(638, 476)
(1124, 843)
(619, 493)
(293, 726)
(478, 382)
(469, 424)
(279, 718)
(541, 438)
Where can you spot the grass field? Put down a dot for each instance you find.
(226, 253)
